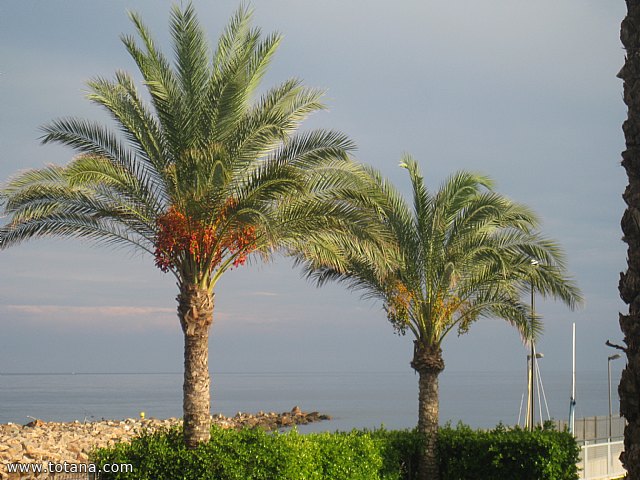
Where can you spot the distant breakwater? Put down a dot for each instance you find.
(42, 442)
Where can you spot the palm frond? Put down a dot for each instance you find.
(459, 254)
(161, 83)
(202, 152)
(122, 101)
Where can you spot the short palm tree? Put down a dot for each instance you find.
(454, 256)
(202, 177)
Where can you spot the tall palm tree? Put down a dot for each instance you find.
(629, 286)
(201, 177)
(454, 256)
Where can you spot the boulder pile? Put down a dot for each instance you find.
(40, 442)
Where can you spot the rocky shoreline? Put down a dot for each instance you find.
(42, 442)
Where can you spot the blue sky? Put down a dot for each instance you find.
(525, 92)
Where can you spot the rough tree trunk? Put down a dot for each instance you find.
(629, 286)
(427, 361)
(195, 310)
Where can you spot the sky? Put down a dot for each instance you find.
(525, 92)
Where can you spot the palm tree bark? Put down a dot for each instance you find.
(428, 362)
(629, 286)
(195, 309)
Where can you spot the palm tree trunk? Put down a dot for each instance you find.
(428, 362)
(195, 310)
(629, 286)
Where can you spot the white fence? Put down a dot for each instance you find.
(600, 455)
(594, 429)
(601, 461)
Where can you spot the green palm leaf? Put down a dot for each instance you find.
(202, 175)
(439, 264)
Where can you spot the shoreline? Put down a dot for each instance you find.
(40, 442)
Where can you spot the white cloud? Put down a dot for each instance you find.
(113, 317)
(103, 311)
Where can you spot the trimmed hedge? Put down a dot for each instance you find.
(502, 454)
(358, 455)
(250, 454)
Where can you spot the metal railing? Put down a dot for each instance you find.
(600, 453)
(601, 461)
(591, 429)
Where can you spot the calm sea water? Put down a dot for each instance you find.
(353, 399)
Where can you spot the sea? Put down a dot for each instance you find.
(353, 399)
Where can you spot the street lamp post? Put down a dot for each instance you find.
(612, 357)
(531, 363)
(532, 379)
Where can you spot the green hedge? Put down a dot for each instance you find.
(503, 454)
(358, 455)
(251, 455)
